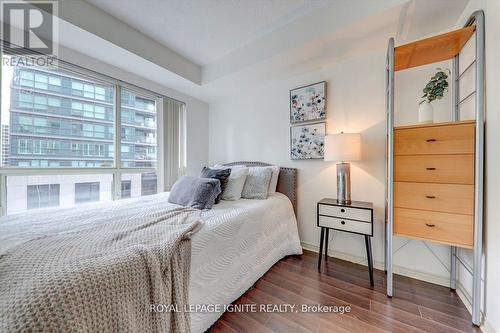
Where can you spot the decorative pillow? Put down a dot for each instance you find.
(274, 178)
(257, 183)
(235, 184)
(199, 193)
(221, 174)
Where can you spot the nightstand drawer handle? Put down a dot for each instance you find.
(431, 168)
(430, 197)
(342, 210)
(431, 140)
(430, 225)
(342, 222)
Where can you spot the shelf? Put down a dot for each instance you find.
(433, 49)
(434, 124)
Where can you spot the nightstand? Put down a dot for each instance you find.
(355, 217)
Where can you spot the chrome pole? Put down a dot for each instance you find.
(455, 117)
(390, 162)
(455, 89)
(453, 268)
(478, 17)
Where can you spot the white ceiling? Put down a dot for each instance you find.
(248, 50)
(203, 31)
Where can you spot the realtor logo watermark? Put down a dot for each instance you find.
(29, 32)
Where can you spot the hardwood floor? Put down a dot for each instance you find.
(417, 306)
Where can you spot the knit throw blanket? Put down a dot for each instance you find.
(97, 268)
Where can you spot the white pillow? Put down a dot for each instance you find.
(235, 184)
(274, 179)
(257, 183)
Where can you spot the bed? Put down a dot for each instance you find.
(238, 242)
(99, 277)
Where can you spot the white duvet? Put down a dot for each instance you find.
(239, 241)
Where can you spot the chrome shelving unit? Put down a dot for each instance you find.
(477, 19)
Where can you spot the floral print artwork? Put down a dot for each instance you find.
(307, 141)
(308, 103)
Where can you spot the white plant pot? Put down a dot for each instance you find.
(425, 113)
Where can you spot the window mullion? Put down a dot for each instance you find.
(3, 194)
(118, 146)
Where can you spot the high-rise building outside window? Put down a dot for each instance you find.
(66, 119)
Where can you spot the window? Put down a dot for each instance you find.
(54, 80)
(54, 102)
(142, 136)
(42, 196)
(149, 184)
(37, 113)
(65, 118)
(23, 146)
(86, 192)
(141, 184)
(126, 189)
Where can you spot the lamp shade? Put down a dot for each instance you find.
(343, 147)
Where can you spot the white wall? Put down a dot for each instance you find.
(196, 110)
(408, 93)
(254, 125)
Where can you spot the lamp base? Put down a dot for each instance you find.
(344, 183)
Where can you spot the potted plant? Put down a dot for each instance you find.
(433, 90)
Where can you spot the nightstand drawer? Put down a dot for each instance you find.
(346, 225)
(346, 213)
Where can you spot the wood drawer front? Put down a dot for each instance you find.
(452, 139)
(447, 198)
(448, 169)
(346, 225)
(346, 213)
(451, 229)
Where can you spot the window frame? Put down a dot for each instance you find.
(117, 170)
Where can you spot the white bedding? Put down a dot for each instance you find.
(239, 241)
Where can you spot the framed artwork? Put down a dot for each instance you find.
(307, 142)
(308, 103)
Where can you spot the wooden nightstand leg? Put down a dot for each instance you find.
(321, 247)
(327, 238)
(369, 257)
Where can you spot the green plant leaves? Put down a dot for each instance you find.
(436, 87)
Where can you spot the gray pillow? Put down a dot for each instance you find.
(257, 183)
(199, 193)
(221, 174)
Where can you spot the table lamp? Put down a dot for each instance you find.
(343, 148)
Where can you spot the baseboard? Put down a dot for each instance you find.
(464, 296)
(487, 327)
(432, 278)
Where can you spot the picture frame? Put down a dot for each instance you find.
(308, 103)
(307, 141)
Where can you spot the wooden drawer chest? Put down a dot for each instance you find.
(434, 182)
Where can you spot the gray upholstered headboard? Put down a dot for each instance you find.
(287, 180)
